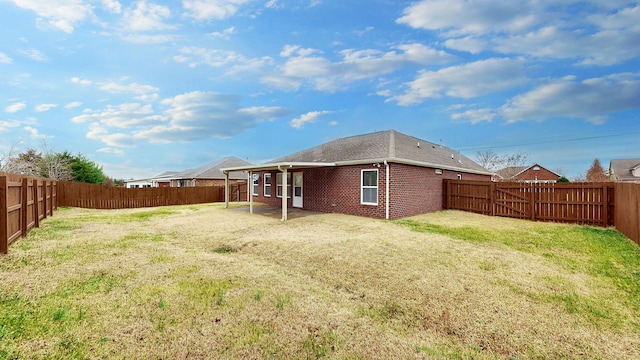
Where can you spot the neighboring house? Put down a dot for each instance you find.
(206, 175)
(528, 174)
(626, 170)
(382, 175)
(134, 184)
(210, 174)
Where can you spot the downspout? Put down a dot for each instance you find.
(386, 192)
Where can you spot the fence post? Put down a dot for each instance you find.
(44, 199)
(532, 201)
(36, 212)
(4, 216)
(605, 204)
(25, 208)
(492, 198)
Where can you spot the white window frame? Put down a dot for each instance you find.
(279, 185)
(363, 187)
(255, 184)
(267, 185)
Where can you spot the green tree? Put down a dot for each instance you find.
(83, 169)
(562, 179)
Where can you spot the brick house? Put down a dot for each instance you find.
(528, 174)
(387, 175)
(206, 175)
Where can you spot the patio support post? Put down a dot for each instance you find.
(284, 193)
(226, 189)
(250, 192)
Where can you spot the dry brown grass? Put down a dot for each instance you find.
(205, 282)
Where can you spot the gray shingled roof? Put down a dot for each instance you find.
(212, 170)
(621, 168)
(384, 145)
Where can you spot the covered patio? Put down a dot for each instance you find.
(282, 167)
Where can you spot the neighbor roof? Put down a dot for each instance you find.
(212, 170)
(511, 172)
(387, 145)
(621, 169)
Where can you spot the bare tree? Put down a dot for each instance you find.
(488, 159)
(506, 165)
(53, 165)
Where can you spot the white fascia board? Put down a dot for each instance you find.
(414, 163)
(275, 166)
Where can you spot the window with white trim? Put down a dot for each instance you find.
(279, 184)
(267, 184)
(256, 180)
(369, 187)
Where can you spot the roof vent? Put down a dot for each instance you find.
(418, 144)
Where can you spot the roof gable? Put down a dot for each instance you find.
(513, 172)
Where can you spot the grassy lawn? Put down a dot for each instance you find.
(205, 282)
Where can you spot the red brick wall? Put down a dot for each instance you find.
(413, 190)
(416, 190)
(542, 174)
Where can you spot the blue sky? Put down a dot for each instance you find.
(143, 87)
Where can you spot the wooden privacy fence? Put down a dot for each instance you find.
(600, 204)
(24, 201)
(627, 218)
(108, 197)
(583, 203)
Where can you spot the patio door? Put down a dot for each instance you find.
(297, 190)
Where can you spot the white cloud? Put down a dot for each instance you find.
(58, 14)
(469, 44)
(592, 99)
(35, 134)
(124, 116)
(600, 33)
(33, 54)
(303, 65)
(100, 133)
(467, 17)
(45, 107)
(464, 81)
(200, 115)
(211, 9)
(475, 116)
(307, 118)
(73, 105)
(113, 6)
(143, 92)
(146, 16)
(6, 125)
(224, 34)
(108, 150)
(14, 108)
(148, 39)
(195, 56)
(273, 4)
(79, 81)
(5, 59)
(190, 116)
